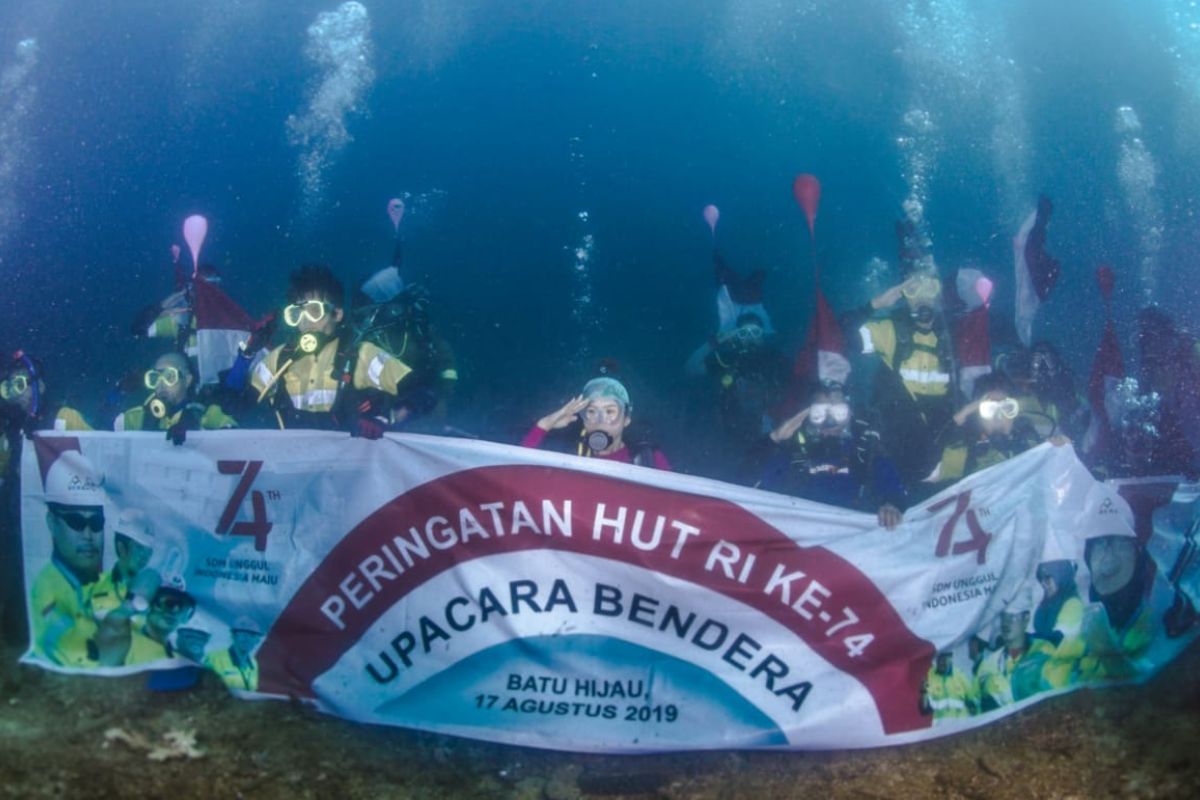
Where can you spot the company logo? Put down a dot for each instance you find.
(1108, 507)
(257, 526)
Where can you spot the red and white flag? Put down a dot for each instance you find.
(972, 339)
(824, 355)
(221, 326)
(1036, 272)
(1108, 368)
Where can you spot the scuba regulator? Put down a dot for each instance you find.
(598, 441)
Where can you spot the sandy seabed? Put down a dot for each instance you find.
(1141, 741)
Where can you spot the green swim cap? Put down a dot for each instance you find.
(607, 387)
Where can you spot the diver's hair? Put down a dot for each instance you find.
(994, 382)
(316, 279)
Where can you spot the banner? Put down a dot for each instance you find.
(533, 598)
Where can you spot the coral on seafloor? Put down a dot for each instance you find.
(177, 743)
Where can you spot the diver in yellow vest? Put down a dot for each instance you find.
(986, 431)
(322, 378)
(23, 409)
(62, 617)
(236, 665)
(914, 392)
(173, 406)
(947, 693)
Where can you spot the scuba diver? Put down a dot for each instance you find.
(750, 373)
(23, 401)
(1046, 391)
(1146, 442)
(915, 385)
(1170, 366)
(173, 405)
(396, 317)
(595, 424)
(325, 377)
(827, 454)
(24, 408)
(986, 431)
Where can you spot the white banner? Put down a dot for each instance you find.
(527, 597)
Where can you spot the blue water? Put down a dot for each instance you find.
(503, 122)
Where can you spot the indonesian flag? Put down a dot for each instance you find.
(1036, 272)
(1108, 368)
(221, 325)
(972, 340)
(824, 354)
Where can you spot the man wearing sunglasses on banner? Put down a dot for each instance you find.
(824, 453)
(59, 598)
(322, 377)
(986, 431)
(913, 392)
(172, 405)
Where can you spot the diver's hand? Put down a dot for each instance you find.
(177, 433)
(788, 428)
(367, 427)
(262, 333)
(1059, 440)
(888, 298)
(890, 516)
(565, 415)
(963, 414)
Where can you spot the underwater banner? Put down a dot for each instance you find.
(533, 598)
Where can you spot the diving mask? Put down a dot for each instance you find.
(923, 287)
(601, 414)
(1007, 408)
(747, 337)
(820, 412)
(313, 310)
(14, 387)
(168, 376)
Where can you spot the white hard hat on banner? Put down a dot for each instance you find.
(73, 481)
(134, 524)
(1105, 513)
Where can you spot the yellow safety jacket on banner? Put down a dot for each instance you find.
(62, 619)
(1006, 678)
(144, 650)
(949, 696)
(234, 676)
(921, 371)
(106, 594)
(1110, 654)
(1062, 662)
(311, 381)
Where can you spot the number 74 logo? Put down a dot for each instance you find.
(257, 526)
(978, 540)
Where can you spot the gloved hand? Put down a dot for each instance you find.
(263, 331)
(177, 433)
(234, 378)
(367, 427)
